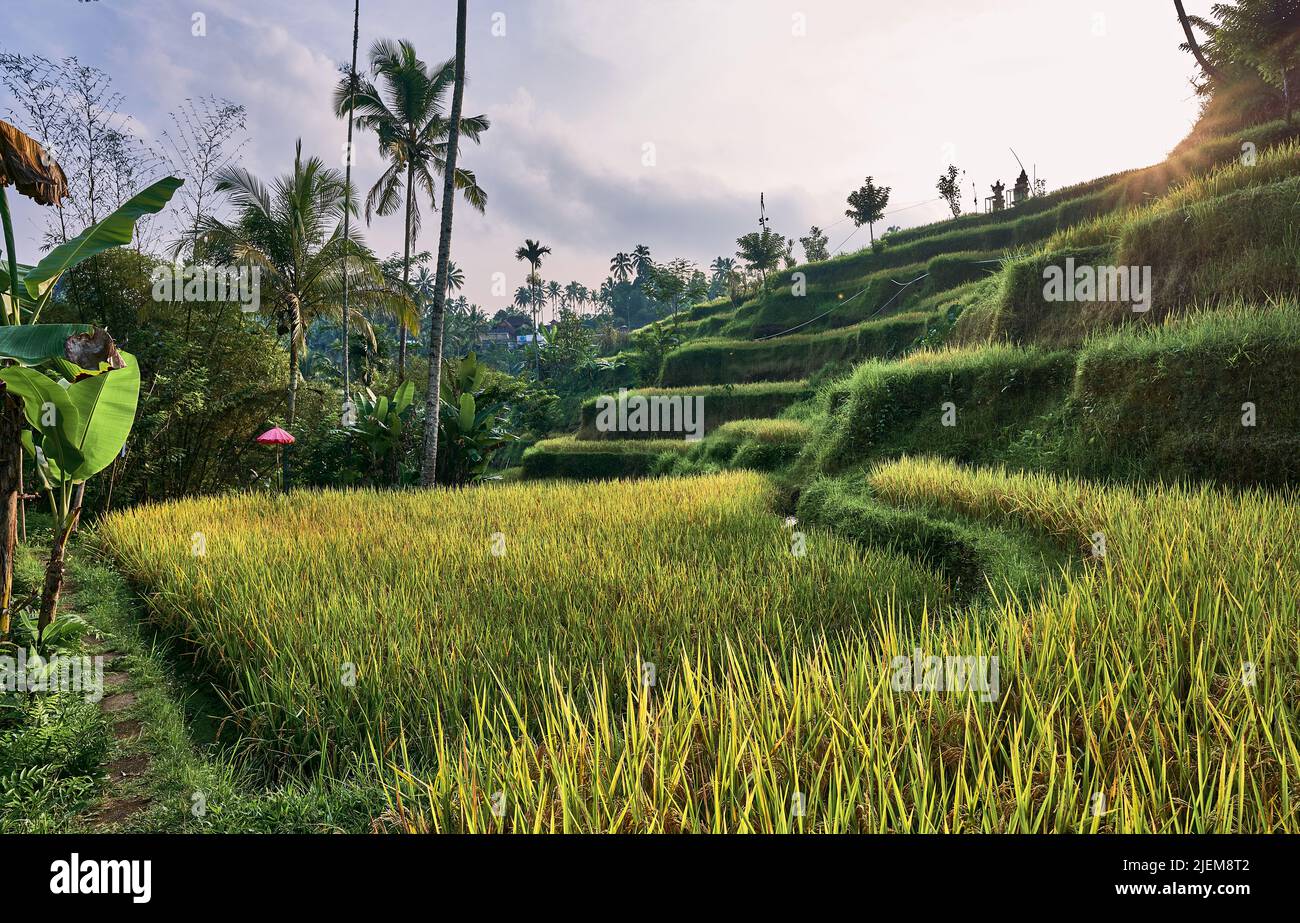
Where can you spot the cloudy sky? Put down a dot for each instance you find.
(800, 99)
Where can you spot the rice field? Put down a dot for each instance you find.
(1156, 687)
(339, 624)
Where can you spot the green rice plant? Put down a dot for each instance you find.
(1150, 690)
(1208, 397)
(760, 445)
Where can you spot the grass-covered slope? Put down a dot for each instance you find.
(721, 403)
(1204, 397)
(719, 361)
(597, 459)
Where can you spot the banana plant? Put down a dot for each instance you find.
(77, 393)
(469, 431)
(76, 427)
(381, 421)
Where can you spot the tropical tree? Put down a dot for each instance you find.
(867, 205)
(533, 252)
(291, 233)
(815, 245)
(620, 267)
(572, 291)
(403, 106)
(641, 261)
(349, 408)
(1264, 35)
(553, 293)
(762, 250)
(455, 277)
(949, 187)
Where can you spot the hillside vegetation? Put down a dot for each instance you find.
(1189, 386)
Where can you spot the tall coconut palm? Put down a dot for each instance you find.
(403, 106)
(554, 293)
(429, 465)
(292, 234)
(641, 261)
(347, 214)
(532, 252)
(620, 267)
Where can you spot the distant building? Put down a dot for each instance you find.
(526, 339)
(501, 334)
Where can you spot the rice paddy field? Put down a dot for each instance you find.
(658, 656)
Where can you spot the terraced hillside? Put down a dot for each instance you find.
(944, 340)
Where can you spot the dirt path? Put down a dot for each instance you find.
(122, 767)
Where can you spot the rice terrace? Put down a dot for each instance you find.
(328, 507)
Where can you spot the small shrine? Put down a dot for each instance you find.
(1021, 191)
(998, 201)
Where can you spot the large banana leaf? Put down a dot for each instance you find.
(405, 394)
(33, 344)
(92, 417)
(114, 231)
(57, 436)
(105, 407)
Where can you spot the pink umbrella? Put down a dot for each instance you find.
(276, 436)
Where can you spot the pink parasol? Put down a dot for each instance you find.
(276, 436)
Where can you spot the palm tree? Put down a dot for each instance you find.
(641, 261)
(533, 252)
(455, 277)
(722, 267)
(347, 215)
(406, 115)
(553, 293)
(620, 267)
(292, 234)
(571, 293)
